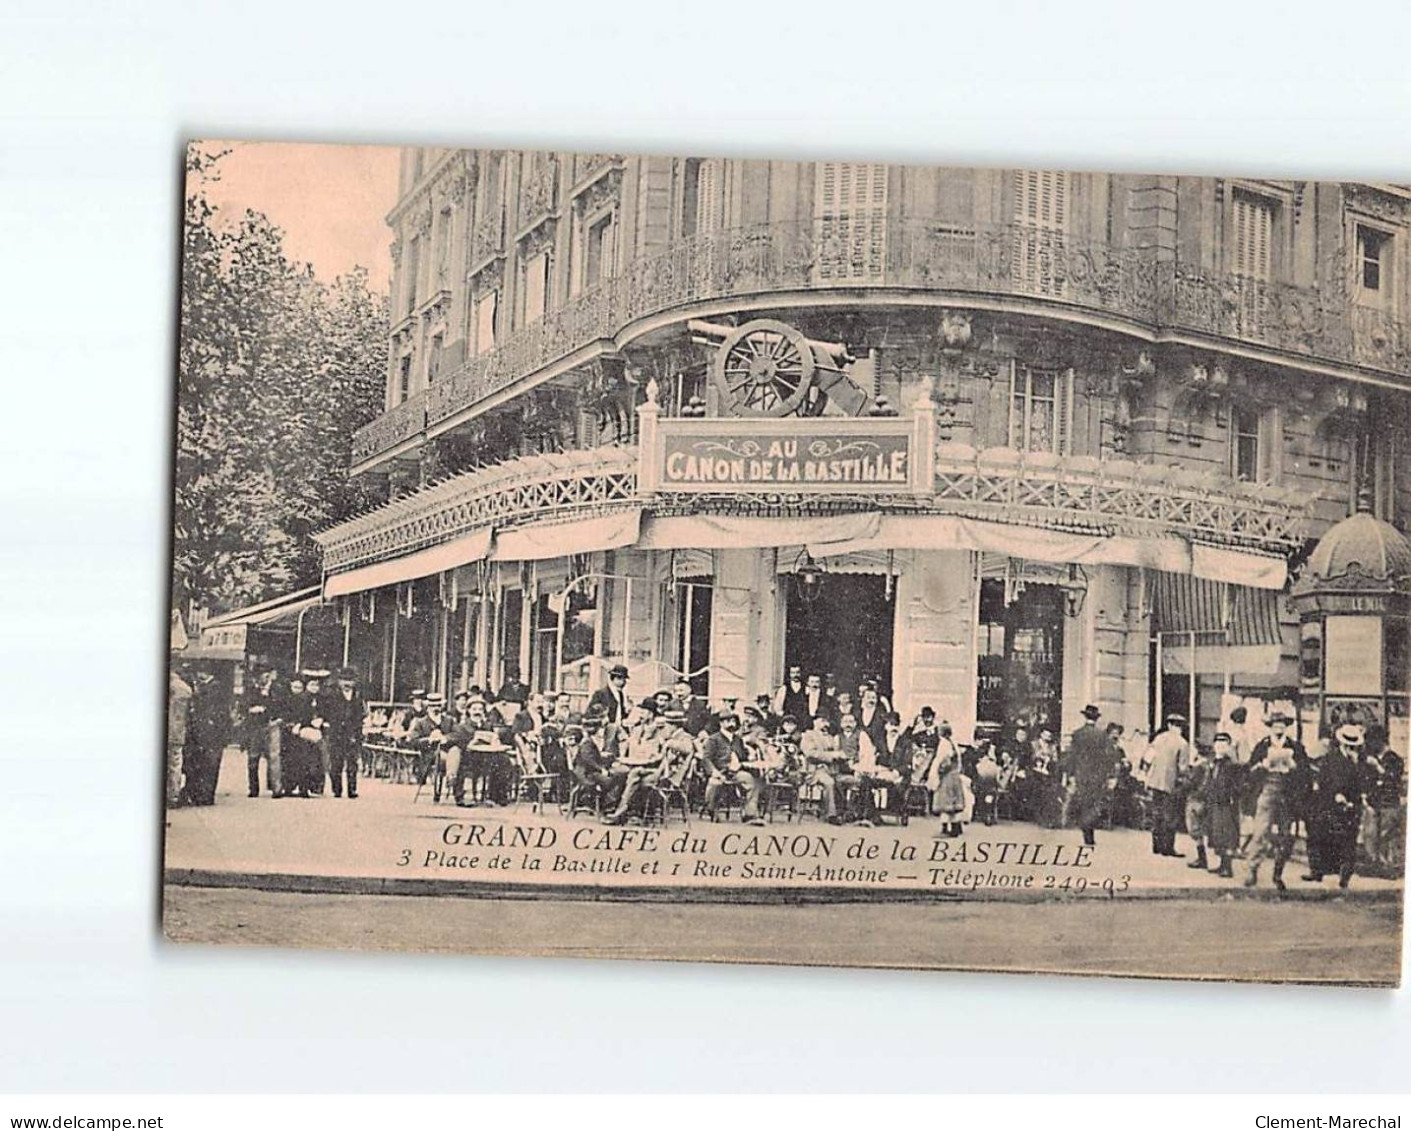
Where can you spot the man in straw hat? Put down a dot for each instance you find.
(1332, 806)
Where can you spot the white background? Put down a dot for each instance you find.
(95, 101)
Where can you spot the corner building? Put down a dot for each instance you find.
(1009, 441)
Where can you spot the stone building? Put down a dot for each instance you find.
(1009, 441)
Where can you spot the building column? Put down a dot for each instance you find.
(933, 652)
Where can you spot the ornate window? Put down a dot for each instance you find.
(850, 221)
(1040, 409)
(433, 358)
(404, 377)
(409, 276)
(1041, 228)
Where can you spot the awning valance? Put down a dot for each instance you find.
(958, 532)
(468, 548)
(726, 531)
(559, 539)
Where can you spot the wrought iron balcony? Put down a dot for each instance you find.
(1044, 269)
(393, 427)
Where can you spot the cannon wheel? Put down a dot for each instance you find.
(763, 368)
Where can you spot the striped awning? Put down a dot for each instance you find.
(1182, 603)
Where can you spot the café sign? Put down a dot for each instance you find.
(842, 455)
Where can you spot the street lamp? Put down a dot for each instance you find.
(1075, 589)
(808, 576)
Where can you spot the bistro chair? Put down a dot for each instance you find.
(781, 795)
(585, 797)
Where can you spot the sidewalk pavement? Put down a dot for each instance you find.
(385, 842)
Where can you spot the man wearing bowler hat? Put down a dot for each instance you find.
(611, 702)
(1091, 758)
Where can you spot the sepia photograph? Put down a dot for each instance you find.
(803, 562)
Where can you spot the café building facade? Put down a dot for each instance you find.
(1009, 442)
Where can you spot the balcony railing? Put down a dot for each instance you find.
(1013, 261)
(393, 427)
(999, 484)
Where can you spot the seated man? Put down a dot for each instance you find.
(591, 767)
(658, 754)
(852, 741)
(724, 756)
(819, 747)
(425, 732)
(476, 750)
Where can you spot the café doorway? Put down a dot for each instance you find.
(844, 626)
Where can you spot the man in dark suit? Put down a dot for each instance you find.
(723, 756)
(1091, 758)
(592, 767)
(1331, 804)
(610, 703)
(791, 698)
(817, 702)
(695, 708)
(344, 712)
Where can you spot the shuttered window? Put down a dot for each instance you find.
(536, 286)
(1041, 207)
(485, 310)
(1040, 409)
(1253, 247)
(709, 195)
(850, 216)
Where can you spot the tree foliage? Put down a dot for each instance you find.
(276, 369)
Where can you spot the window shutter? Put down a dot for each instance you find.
(1041, 223)
(708, 196)
(850, 216)
(1063, 414)
(1254, 237)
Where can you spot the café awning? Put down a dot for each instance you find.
(541, 541)
(468, 548)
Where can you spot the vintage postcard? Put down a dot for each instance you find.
(809, 562)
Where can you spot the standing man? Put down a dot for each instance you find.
(791, 698)
(1222, 804)
(262, 737)
(1383, 822)
(1332, 806)
(1168, 756)
(1092, 755)
(179, 696)
(610, 703)
(612, 706)
(345, 733)
(1272, 766)
(872, 716)
(293, 749)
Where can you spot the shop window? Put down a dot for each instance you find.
(1040, 409)
(546, 641)
(850, 217)
(694, 597)
(511, 634)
